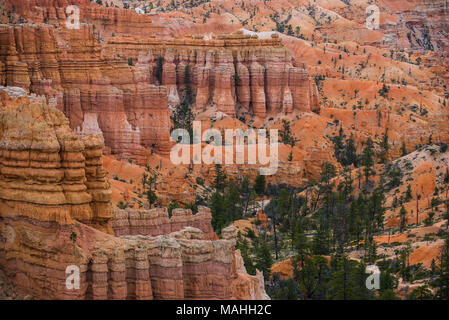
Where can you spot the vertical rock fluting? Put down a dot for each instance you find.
(243, 85)
(224, 82)
(128, 84)
(230, 72)
(55, 216)
(258, 98)
(68, 68)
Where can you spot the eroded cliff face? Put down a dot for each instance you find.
(120, 87)
(55, 213)
(100, 95)
(416, 25)
(107, 20)
(157, 221)
(233, 73)
(46, 170)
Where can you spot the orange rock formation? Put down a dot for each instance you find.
(55, 213)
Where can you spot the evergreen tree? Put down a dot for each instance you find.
(388, 282)
(220, 178)
(283, 289)
(421, 293)
(151, 182)
(188, 85)
(446, 214)
(245, 250)
(343, 284)
(263, 258)
(321, 241)
(385, 147)
(403, 149)
(402, 215)
(442, 282)
(182, 118)
(286, 134)
(312, 277)
(159, 69)
(152, 197)
(216, 205)
(350, 153)
(408, 193)
(259, 185)
(368, 158)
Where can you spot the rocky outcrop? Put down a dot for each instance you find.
(157, 222)
(56, 220)
(106, 19)
(43, 162)
(244, 286)
(418, 25)
(109, 95)
(122, 87)
(231, 72)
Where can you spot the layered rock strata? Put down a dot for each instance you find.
(229, 72)
(121, 87)
(156, 221)
(95, 93)
(56, 222)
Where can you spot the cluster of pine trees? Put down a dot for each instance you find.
(318, 226)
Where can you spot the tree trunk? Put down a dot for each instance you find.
(275, 238)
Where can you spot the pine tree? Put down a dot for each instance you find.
(342, 283)
(446, 214)
(151, 182)
(220, 178)
(259, 185)
(368, 158)
(403, 149)
(216, 205)
(188, 85)
(232, 208)
(152, 197)
(350, 153)
(408, 193)
(182, 118)
(385, 147)
(321, 242)
(312, 277)
(244, 246)
(402, 215)
(442, 283)
(263, 258)
(421, 293)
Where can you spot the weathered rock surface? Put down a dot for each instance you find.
(156, 222)
(93, 91)
(106, 81)
(55, 214)
(229, 72)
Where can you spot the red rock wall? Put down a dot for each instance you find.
(86, 73)
(55, 211)
(229, 72)
(132, 113)
(156, 222)
(107, 20)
